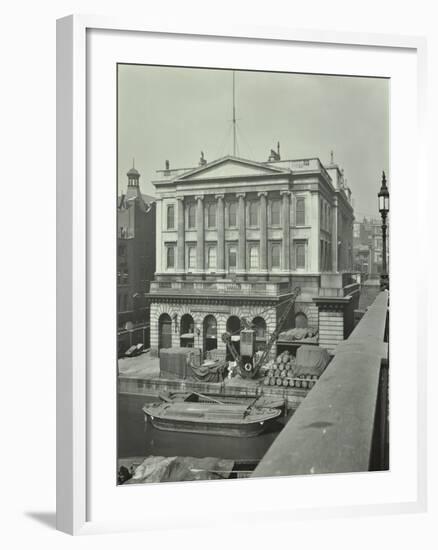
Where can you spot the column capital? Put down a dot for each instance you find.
(219, 196)
(286, 193)
(240, 195)
(180, 198)
(199, 197)
(262, 194)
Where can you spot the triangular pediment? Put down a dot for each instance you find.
(230, 167)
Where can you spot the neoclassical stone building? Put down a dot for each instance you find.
(235, 237)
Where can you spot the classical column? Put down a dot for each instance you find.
(181, 235)
(200, 233)
(335, 236)
(241, 256)
(220, 224)
(285, 248)
(263, 231)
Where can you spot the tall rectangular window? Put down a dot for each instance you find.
(253, 213)
(170, 256)
(192, 257)
(171, 216)
(211, 215)
(300, 255)
(191, 216)
(300, 211)
(275, 212)
(232, 258)
(254, 257)
(275, 256)
(232, 214)
(211, 257)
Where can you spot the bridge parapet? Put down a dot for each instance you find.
(342, 425)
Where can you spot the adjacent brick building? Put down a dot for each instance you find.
(135, 262)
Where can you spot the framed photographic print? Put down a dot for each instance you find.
(231, 243)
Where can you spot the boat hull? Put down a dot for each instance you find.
(231, 430)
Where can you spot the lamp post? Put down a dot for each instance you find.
(384, 209)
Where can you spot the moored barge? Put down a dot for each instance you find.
(260, 401)
(210, 418)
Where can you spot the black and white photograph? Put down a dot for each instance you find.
(252, 273)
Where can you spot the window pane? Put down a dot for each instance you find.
(275, 260)
(211, 215)
(253, 213)
(170, 256)
(192, 257)
(232, 214)
(232, 259)
(254, 257)
(300, 256)
(170, 217)
(275, 213)
(191, 216)
(300, 212)
(212, 257)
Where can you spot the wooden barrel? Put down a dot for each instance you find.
(285, 382)
(278, 381)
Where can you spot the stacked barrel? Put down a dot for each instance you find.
(284, 372)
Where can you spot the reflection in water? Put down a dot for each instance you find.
(138, 438)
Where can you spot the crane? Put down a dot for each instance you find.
(248, 362)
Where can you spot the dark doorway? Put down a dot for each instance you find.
(164, 331)
(187, 330)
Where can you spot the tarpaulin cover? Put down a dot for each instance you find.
(184, 363)
(311, 360)
(174, 362)
(294, 334)
(210, 371)
(181, 468)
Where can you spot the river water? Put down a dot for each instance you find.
(138, 438)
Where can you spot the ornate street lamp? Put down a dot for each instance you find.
(384, 209)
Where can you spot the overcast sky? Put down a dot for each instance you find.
(173, 113)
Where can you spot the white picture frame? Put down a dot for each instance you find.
(75, 213)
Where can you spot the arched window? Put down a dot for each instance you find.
(253, 213)
(275, 212)
(210, 326)
(171, 216)
(191, 215)
(232, 214)
(164, 331)
(211, 215)
(301, 320)
(170, 257)
(260, 327)
(187, 324)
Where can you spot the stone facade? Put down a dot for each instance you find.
(235, 237)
